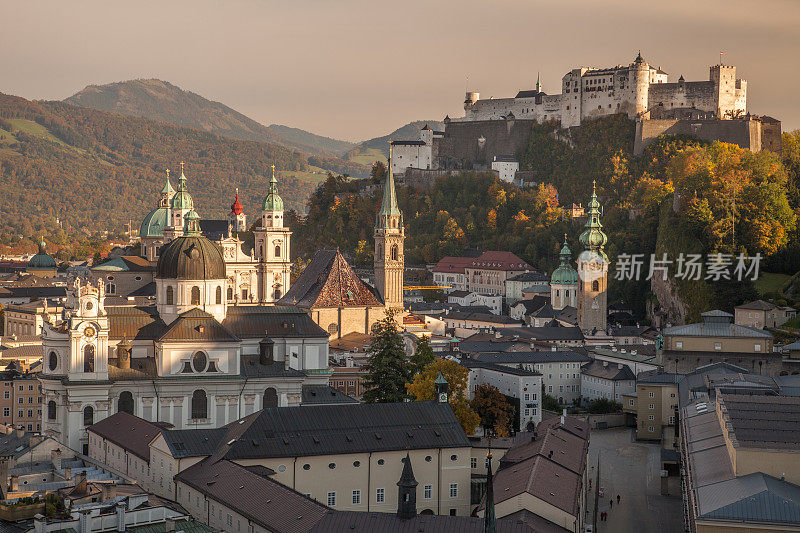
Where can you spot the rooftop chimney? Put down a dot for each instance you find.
(121, 516)
(563, 417)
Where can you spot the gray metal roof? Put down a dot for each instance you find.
(193, 442)
(323, 395)
(544, 356)
(756, 497)
(716, 329)
(609, 371)
(761, 421)
(469, 363)
(348, 428)
(360, 522)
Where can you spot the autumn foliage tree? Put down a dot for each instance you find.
(457, 376)
(493, 408)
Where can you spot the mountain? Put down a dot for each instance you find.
(95, 170)
(160, 100)
(377, 149)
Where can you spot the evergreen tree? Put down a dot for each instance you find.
(423, 355)
(388, 369)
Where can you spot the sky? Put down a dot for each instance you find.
(356, 69)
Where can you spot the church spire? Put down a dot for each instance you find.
(593, 238)
(539, 82)
(182, 200)
(389, 206)
(407, 492)
(489, 521)
(273, 202)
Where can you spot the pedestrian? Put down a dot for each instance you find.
(610, 504)
(617, 498)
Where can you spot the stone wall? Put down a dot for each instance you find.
(751, 133)
(474, 144)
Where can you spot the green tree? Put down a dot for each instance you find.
(457, 376)
(388, 368)
(423, 355)
(604, 405)
(493, 408)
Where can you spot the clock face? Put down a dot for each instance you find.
(443, 397)
(89, 332)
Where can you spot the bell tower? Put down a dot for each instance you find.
(593, 271)
(389, 239)
(272, 241)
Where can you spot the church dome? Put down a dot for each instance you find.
(273, 202)
(153, 223)
(191, 257)
(564, 274)
(42, 259)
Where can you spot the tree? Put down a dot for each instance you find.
(493, 408)
(423, 355)
(604, 405)
(457, 376)
(388, 368)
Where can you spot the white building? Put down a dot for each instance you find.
(524, 385)
(506, 167)
(192, 360)
(517, 284)
(464, 298)
(601, 379)
(414, 153)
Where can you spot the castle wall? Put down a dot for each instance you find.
(682, 95)
(751, 134)
(474, 144)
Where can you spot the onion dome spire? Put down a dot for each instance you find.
(273, 202)
(236, 207)
(593, 237)
(389, 206)
(565, 274)
(168, 190)
(182, 199)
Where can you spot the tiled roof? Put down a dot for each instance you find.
(531, 276)
(269, 504)
(758, 305)
(761, 421)
(609, 371)
(498, 260)
(193, 442)
(471, 363)
(453, 265)
(197, 325)
(543, 356)
(481, 317)
(348, 428)
(329, 281)
(134, 323)
(129, 432)
(545, 333)
(371, 522)
(276, 321)
(323, 394)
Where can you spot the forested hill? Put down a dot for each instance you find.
(95, 170)
(161, 100)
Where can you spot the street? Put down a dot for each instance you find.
(632, 470)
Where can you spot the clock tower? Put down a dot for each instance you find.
(389, 238)
(593, 272)
(440, 389)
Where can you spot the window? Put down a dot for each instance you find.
(717, 345)
(199, 404)
(671, 420)
(195, 295)
(630, 402)
(53, 361)
(652, 394)
(595, 286)
(332, 499)
(88, 358)
(170, 296)
(651, 417)
(278, 250)
(380, 495)
(244, 294)
(356, 497)
(678, 345)
(230, 293)
(427, 492)
(111, 288)
(757, 347)
(88, 415)
(6, 411)
(650, 429)
(7, 395)
(454, 490)
(270, 398)
(652, 406)
(394, 252)
(219, 295)
(199, 362)
(51, 410)
(125, 402)
(473, 462)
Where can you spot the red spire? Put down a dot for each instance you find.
(236, 208)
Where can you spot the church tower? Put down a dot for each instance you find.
(180, 204)
(593, 271)
(237, 220)
(389, 238)
(272, 241)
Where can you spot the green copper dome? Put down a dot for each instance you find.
(42, 259)
(273, 202)
(182, 199)
(593, 237)
(565, 274)
(153, 223)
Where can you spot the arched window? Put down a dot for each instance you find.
(88, 358)
(277, 250)
(199, 404)
(230, 293)
(88, 415)
(111, 288)
(195, 295)
(125, 402)
(270, 398)
(170, 296)
(277, 293)
(595, 286)
(261, 252)
(52, 361)
(51, 410)
(219, 295)
(394, 252)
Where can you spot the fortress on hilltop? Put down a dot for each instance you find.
(494, 130)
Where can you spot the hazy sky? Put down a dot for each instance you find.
(356, 69)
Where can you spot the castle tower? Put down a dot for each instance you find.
(389, 239)
(725, 89)
(272, 240)
(639, 74)
(564, 281)
(538, 82)
(237, 219)
(593, 271)
(407, 492)
(180, 204)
